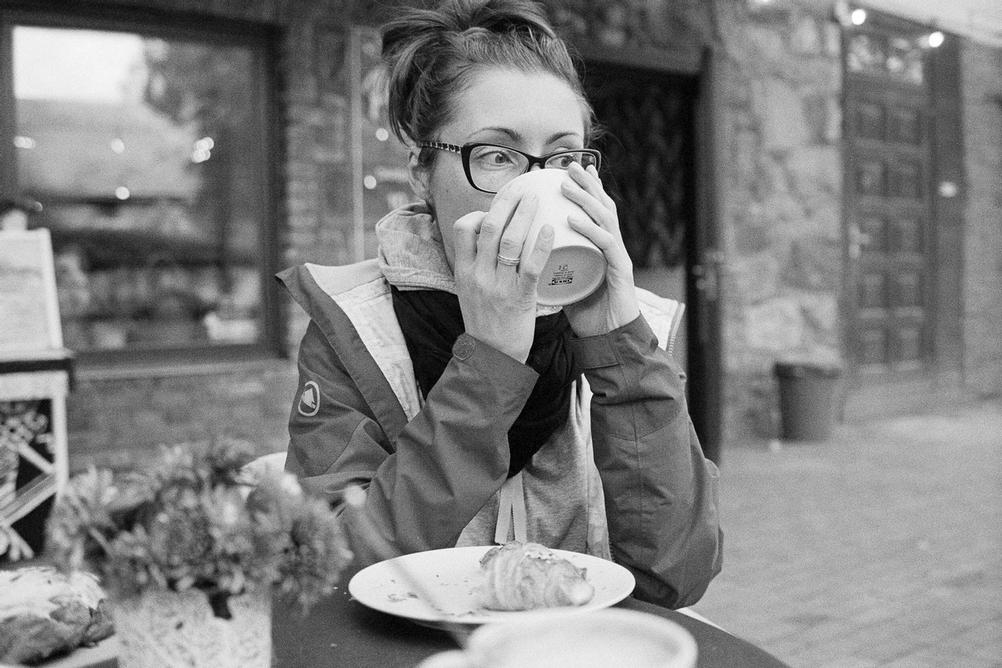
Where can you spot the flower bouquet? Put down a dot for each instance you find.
(191, 550)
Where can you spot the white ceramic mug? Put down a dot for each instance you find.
(576, 267)
(595, 639)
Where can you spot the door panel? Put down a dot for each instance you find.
(888, 216)
(647, 139)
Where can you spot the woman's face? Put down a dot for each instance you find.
(534, 112)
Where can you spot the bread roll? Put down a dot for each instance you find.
(43, 612)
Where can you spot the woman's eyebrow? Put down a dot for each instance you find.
(562, 135)
(513, 135)
(517, 137)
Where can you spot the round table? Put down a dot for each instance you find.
(340, 631)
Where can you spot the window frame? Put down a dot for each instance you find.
(263, 42)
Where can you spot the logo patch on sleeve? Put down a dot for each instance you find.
(309, 400)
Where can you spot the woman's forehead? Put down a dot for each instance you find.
(532, 107)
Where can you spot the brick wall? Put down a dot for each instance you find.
(982, 87)
(120, 419)
(116, 422)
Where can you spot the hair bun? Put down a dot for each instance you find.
(454, 17)
(501, 16)
(430, 54)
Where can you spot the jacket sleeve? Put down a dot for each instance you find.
(660, 491)
(425, 485)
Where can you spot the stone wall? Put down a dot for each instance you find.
(982, 90)
(780, 173)
(780, 194)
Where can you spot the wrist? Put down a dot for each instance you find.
(519, 353)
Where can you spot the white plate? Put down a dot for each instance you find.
(451, 576)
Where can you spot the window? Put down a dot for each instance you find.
(148, 143)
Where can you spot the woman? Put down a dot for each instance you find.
(431, 378)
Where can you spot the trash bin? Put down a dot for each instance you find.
(807, 399)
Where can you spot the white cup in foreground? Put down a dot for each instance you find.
(576, 267)
(596, 639)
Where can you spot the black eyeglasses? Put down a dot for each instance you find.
(489, 166)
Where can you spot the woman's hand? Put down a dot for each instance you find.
(498, 297)
(615, 303)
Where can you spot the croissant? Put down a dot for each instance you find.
(524, 576)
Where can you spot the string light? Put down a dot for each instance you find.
(202, 149)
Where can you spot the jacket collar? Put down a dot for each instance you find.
(411, 252)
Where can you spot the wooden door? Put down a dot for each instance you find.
(898, 217)
(652, 167)
(889, 229)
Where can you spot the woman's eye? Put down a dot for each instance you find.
(499, 158)
(495, 159)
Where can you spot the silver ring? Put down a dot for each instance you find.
(510, 261)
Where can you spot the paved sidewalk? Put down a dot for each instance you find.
(882, 547)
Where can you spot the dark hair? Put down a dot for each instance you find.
(431, 55)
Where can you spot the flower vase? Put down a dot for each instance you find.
(174, 629)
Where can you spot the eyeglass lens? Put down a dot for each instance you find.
(493, 166)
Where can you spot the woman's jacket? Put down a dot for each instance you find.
(624, 478)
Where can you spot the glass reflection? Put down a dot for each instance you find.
(133, 146)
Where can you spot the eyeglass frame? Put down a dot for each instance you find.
(465, 150)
